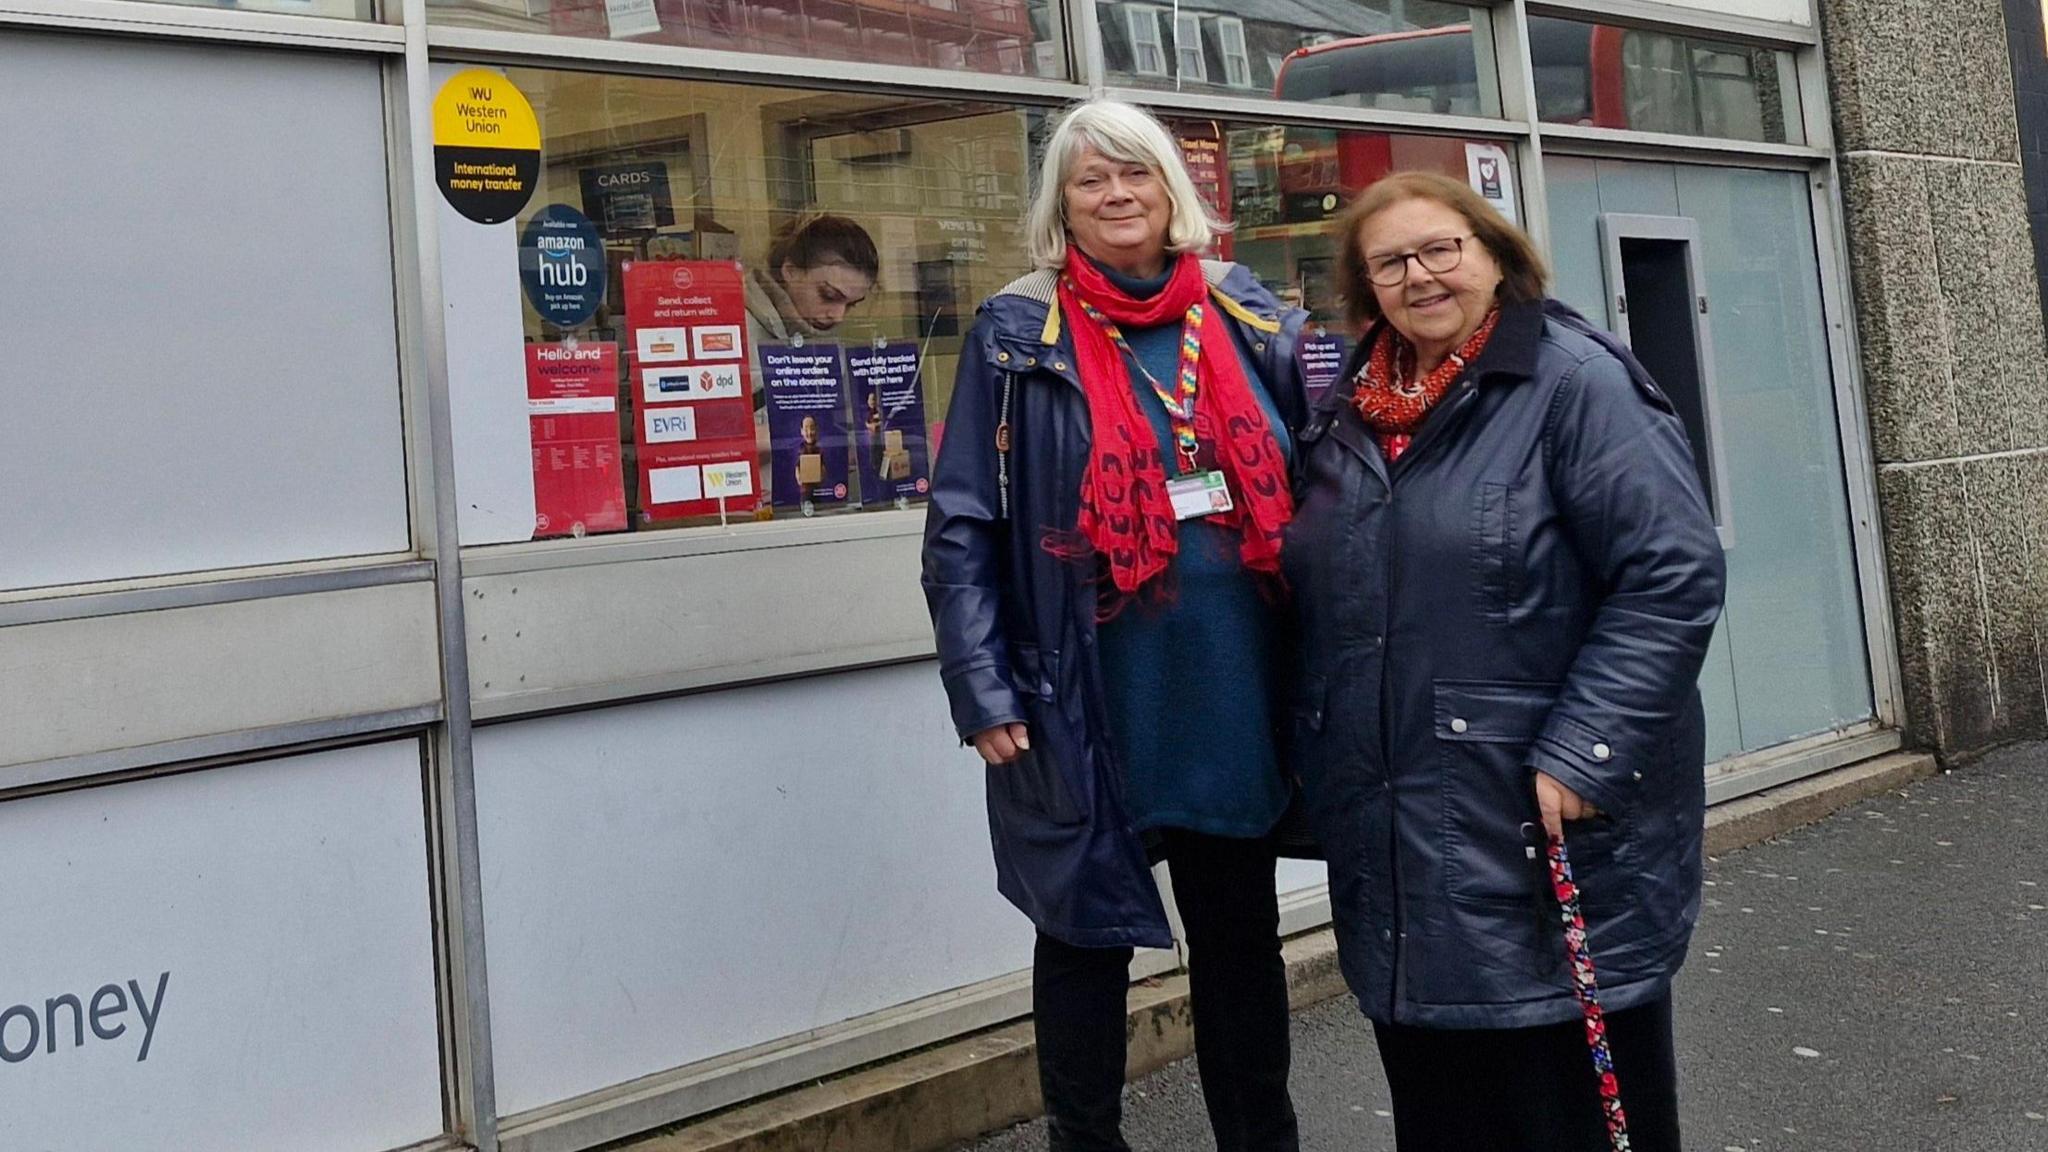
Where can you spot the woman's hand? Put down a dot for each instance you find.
(1556, 802)
(1002, 743)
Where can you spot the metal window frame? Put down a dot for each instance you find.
(1859, 453)
(468, 1079)
(149, 18)
(119, 598)
(1615, 227)
(1649, 14)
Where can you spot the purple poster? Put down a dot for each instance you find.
(888, 405)
(807, 433)
(1322, 361)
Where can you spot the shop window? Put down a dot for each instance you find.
(1192, 65)
(1237, 59)
(728, 303)
(723, 303)
(1148, 54)
(1011, 37)
(1613, 77)
(1393, 55)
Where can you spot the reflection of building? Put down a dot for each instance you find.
(1217, 45)
(982, 35)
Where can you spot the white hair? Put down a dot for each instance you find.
(1129, 135)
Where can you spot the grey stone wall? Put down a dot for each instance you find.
(1953, 356)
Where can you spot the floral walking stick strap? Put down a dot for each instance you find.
(1588, 989)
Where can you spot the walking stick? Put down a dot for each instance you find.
(1588, 989)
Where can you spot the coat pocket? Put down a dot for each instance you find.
(1037, 782)
(1496, 558)
(1484, 730)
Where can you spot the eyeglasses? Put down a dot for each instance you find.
(1438, 256)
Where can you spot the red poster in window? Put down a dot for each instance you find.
(572, 404)
(693, 398)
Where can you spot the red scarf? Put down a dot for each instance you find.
(1389, 397)
(1125, 515)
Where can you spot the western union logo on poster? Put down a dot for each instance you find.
(486, 146)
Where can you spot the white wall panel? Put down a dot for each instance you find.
(564, 636)
(276, 917)
(1301, 875)
(96, 684)
(202, 365)
(670, 881)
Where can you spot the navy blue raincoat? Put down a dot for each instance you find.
(1531, 587)
(1015, 626)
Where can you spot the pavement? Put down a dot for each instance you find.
(1876, 981)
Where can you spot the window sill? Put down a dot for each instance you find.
(628, 547)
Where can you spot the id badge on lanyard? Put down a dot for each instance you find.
(1198, 494)
(1200, 490)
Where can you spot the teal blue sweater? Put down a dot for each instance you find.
(1189, 682)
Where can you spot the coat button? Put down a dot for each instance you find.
(1386, 933)
(1459, 726)
(1602, 752)
(1059, 365)
(1031, 361)
(1637, 775)
(1002, 357)
(1259, 347)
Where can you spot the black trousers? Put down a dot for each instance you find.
(1238, 993)
(1530, 1089)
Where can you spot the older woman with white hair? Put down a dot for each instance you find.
(1102, 562)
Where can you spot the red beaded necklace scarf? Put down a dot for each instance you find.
(1126, 517)
(1390, 398)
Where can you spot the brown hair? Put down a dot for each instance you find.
(1523, 276)
(824, 239)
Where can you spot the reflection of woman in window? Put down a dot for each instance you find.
(816, 271)
(1108, 635)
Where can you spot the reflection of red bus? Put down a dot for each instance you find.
(1585, 74)
(1433, 64)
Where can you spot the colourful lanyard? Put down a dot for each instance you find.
(1588, 989)
(1180, 404)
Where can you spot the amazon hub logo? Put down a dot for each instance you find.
(112, 1014)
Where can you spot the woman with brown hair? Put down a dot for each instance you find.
(1507, 577)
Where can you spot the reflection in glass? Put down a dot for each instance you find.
(1012, 37)
(1398, 55)
(739, 302)
(863, 227)
(1281, 189)
(332, 9)
(1613, 77)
